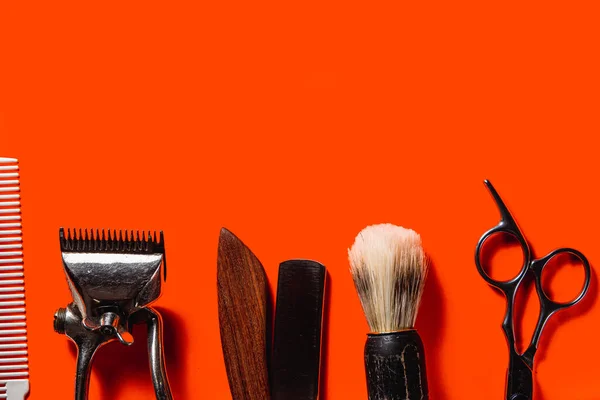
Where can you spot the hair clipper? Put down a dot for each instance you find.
(113, 280)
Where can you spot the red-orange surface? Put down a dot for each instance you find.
(295, 125)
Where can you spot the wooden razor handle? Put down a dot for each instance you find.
(395, 366)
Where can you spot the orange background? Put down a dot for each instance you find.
(295, 125)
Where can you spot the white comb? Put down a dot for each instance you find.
(14, 371)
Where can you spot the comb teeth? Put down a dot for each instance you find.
(14, 373)
(107, 241)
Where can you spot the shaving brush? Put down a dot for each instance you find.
(389, 268)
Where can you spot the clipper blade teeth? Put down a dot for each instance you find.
(14, 373)
(105, 241)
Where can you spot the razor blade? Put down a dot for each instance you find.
(14, 370)
(113, 278)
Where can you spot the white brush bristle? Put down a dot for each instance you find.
(389, 269)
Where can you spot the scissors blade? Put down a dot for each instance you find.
(519, 385)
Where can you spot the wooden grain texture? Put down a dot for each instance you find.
(242, 294)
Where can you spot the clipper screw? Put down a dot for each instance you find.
(60, 319)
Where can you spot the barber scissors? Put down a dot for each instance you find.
(519, 385)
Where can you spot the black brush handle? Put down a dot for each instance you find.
(395, 366)
(297, 335)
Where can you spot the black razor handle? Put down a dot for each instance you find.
(297, 336)
(395, 366)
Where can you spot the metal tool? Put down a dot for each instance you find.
(113, 280)
(520, 370)
(14, 370)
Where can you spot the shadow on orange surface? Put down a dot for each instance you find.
(325, 339)
(270, 316)
(527, 305)
(118, 366)
(176, 352)
(525, 325)
(502, 257)
(431, 327)
(563, 317)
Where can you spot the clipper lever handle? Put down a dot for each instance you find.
(156, 355)
(67, 321)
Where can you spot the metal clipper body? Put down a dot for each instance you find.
(113, 281)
